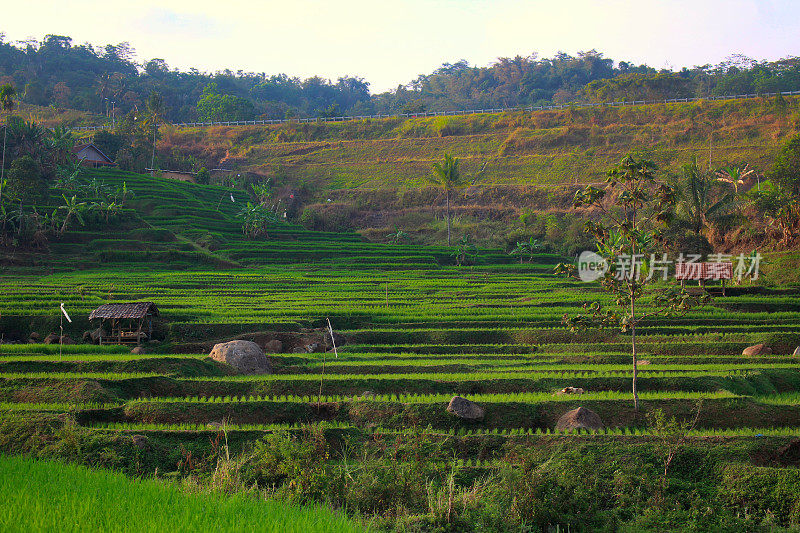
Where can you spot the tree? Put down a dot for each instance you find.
(62, 94)
(786, 170)
(25, 182)
(72, 207)
(109, 142)
(60, 141)
(530, 248)
(734, 176)
(7, 101)
(465, 249)
(215, 107)
(256, 219)
(155, 116)
(633, 204)
(447, 176)
(695, 199)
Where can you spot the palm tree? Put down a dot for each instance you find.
(447, 176)
(734, 176)
(695, 199)
(7, 101)
(154, 118)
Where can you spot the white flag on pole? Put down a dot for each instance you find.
(333, 342)
(65, 313)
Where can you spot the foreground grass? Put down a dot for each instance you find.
(49, 496)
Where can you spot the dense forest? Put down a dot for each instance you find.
(109, 80)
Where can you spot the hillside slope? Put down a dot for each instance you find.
(542, 148)
(174, 224)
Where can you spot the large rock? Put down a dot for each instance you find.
(35, 337)
(55, 339)
(139, 350)
(758, 349)
(244, 356)
(463, 408)
(273, 346)
(580, 418)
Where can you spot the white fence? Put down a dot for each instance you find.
(462, 112)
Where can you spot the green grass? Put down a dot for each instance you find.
(40, 496)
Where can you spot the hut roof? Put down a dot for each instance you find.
(125, 310)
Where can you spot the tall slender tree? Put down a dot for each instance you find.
(156, 112)
(7, 101)
(633, 204)
(447, 176)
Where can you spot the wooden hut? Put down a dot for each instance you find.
(125, 323)
(91, 156)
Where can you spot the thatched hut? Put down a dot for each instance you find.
(125, 323)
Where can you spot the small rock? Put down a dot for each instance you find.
(758, 349)
(51, 339)
(139, 350)
(312, 348)
(570, 390)
(299, 349)
(67, 340)
(463, 408)
(643, 362)
(273, 346)
(580, 418)
(245, 356)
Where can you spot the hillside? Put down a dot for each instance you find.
(540, 148)
(372, 175)
(174, 224)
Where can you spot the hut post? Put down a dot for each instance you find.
(139, 332)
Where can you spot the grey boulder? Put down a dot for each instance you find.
(463, 408)
(244, 356)
(580, 418)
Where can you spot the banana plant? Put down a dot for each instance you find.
(398, 235)
(73, 208)
(465, 250)
(530, 248)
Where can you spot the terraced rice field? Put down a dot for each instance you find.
(417, 330)
(414, 338)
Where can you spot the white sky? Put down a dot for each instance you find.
(391, 42)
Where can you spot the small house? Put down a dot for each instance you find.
(125, 323)
(92, 156)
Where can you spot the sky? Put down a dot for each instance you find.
(391, 43)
